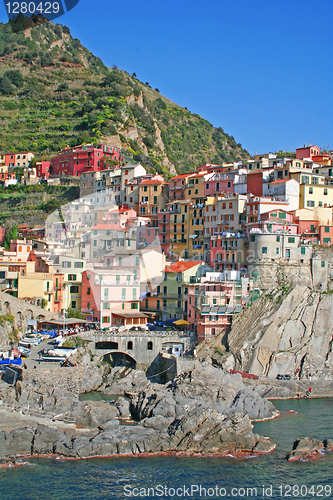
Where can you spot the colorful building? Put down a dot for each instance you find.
(86, 157)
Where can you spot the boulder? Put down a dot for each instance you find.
(306, 449)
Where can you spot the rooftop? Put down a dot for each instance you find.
(181, 266)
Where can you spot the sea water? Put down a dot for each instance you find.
(268, 476)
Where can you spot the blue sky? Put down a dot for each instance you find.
(260, 69)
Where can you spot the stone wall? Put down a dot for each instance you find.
(22, 312)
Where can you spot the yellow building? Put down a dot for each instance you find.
(311, 195)
(153, 197)
(179, 211)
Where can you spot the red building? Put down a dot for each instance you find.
(73, 161)
(307, 152)
(255, 183)
(43, 169)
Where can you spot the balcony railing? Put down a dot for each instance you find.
(87, 311)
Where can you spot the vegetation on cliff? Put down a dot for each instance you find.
(54, 92)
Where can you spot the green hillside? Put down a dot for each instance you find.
(54, 92)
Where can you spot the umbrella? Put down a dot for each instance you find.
(181, 322)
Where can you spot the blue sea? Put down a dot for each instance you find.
(269, 476)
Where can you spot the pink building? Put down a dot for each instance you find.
(213, 302)
(112, 297)
(219, 183)
(275, 221)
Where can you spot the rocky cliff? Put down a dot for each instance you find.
(284, 333)
(202, 411)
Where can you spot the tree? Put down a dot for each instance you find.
(75, 314)
(10, 234)
(6, 87)
(15, 77)
(62, 87)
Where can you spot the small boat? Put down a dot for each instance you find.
(63, 351)
(9, 361)
(53, 358)
(25, 353)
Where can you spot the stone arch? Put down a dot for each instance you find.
(30, 314)
(120, 358)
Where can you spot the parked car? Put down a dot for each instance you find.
(283, 377)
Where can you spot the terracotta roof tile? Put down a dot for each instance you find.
(181, 266)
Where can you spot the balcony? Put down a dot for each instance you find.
(87, 311)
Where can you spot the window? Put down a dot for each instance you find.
(312, 228)
(88, 290)
(74, 289)
(72, 277)
(327, 241)
(78, 264)
(149, 346)
(134, 293)
(123, 293)
(106, 294)
(310, 203)
(164, 303)
(95, 243)
(158, 305)
(73, 304)
(287, 253)
(282, 215)
(106, 305)
(291, 239)
(310, 190)
(120, 260)
(145, 188)
(155, 188)
(277, 250)
(106, 319)
(327, 229)
(302, 250)
(325, 191)
(253, 238)
(323, 263)
(278, 238)
(66, 264)
(134, 305)
(129, 345)
(264, 250)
